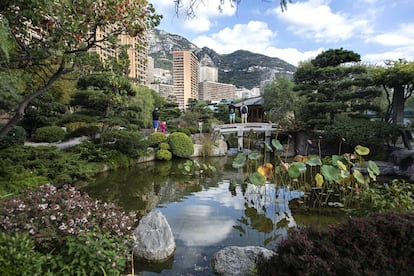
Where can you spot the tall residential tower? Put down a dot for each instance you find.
(185, 77)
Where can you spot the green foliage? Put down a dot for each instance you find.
(184, 130)
(376, 245)
(18, 257)
(164, 146)
(43, 111)
(330, 89)
(155, 138)
(9, 87)
(91, 152)
(335, 57)
(130, 143)
(87, 130)
(181, 144)
(279, 101)
(16, 136)
(353, 132)
(396, 196)
(93, 253)
(49, 134)
(59, 46)
(163, 154)
(23, 167)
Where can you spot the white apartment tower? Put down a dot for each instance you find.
(185, 77)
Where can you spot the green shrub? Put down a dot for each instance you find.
(72, 126)
(181, 144)
(90, 131)
(16, 136)
(353, 132)
(130, 143)
(396, 196)
(24, 167)
(93, 253)
(91, 152)
(49, 134)
(18, 257)
(156, 138)
(164, 146)
(163, 154)
(377, 245)
(184, 130)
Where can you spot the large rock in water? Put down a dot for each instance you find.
(235, 260)
(153, 238)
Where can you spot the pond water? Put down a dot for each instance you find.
(206, 212)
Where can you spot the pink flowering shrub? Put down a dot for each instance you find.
(49, 215)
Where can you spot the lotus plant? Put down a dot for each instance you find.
(331, 181)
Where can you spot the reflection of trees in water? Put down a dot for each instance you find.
(143, 187)
(265, 210)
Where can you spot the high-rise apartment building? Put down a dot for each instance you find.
(185, 77)
(215, 91)
(137, 53)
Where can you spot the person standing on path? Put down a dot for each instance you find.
(232, 113)
(155, 118)
(244, 111)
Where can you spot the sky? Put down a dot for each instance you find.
(378, 30)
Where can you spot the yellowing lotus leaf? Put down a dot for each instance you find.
(319, 179)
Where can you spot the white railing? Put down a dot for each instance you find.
(246, 127)
(241, 129)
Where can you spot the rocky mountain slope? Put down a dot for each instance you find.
(241, 68)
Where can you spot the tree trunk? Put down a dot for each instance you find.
(398, 105)
(22, 106)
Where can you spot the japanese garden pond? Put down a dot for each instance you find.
(207, 212)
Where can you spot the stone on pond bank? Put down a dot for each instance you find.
(153, 238)
(236, 260)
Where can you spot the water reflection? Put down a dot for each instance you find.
(205, 213)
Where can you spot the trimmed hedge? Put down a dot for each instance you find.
(49, 134)
(181, 144)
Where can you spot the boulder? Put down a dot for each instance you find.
(153, 238)
(404, 159)
(235, 260)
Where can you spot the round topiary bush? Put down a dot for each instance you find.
(156, 138)
(49, 134)
(163, 154)
(181, 144)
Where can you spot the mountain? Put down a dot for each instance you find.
(241, 68)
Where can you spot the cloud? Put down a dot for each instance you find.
(258, 40)
(316, 21)
(202, 18)
(406, 53)
(254, 36)
(403, 36)
(292, 55)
